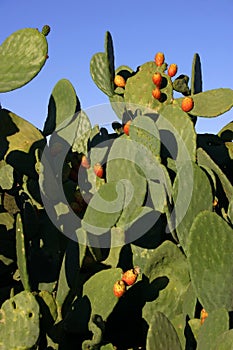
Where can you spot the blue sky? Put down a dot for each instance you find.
(139, 29)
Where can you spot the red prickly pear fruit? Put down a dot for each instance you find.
(156, 93)
(187, 104)
(98, 170)
(119, 81)
(119, 288)
(159, 59)
(130, 276)
(157, 79)
(126, 127)
(172, 70)
(85, 162)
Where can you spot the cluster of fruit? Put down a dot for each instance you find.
(157, 76)
(128, 278)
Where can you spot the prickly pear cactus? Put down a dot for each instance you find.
(115, 240)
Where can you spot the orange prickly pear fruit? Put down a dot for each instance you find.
(130, 276)
(98, 170)
(119, 288)
(187, 104)
(204, 315)
(119, 81)
(159, 59)
(157, 79)
(156, 93)
(85, 162)
(126, 127)
(172, 70)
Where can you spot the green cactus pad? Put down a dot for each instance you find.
(20, 322)
(196, 82)
(104, 208)
(178, 323)
(210, 261)
(144, 130)
(179, 132)
(6, 175)
(118, 105)
(215, 324)
(48, 309)
(7, 220)
(205, 160)
(211, 103)
(194, 326)
(102, 67)
(63, 104)
(19, 133)
(138, 90)
(126, 156)
(22, 56)
(161, 334)
(180, 84)
(83, 133)
(230, 210)
(21, 253)
(226, 133)
(99, 290)
(189, 302)
(167, 261)
(224, 341)
(192, 194)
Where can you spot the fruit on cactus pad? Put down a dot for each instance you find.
(159, 59)
(98, 170)
(204, 315)
(126, 127)
(156, 93)
(157, 79)
(119, 81)
(187, 104)
(130, 276)
(119, 288)
(85, 162)
(172, 70)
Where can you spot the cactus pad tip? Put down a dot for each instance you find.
(46, 30)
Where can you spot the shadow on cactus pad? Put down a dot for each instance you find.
(125, 326)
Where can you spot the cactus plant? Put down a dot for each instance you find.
(163, 203)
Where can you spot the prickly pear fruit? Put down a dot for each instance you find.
(156, 93)
(172, 70)
(159, 59)
(130, 276)
(187, 104)
(119, 81)
(126, 127)
(119, 288)
(98, 170)
(204, 315)
(157, 79)
(85, 162)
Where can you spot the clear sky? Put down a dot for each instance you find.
(139, 29)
